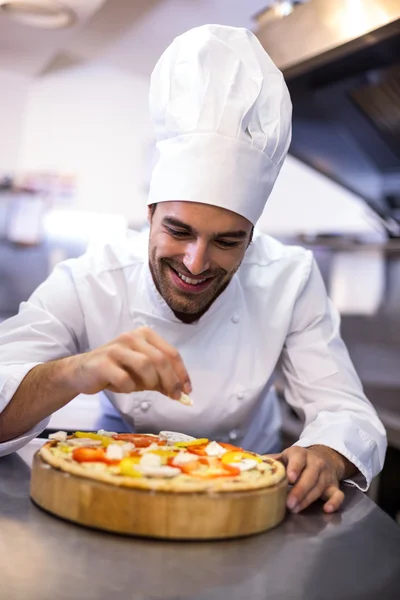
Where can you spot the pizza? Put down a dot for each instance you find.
(167, 462)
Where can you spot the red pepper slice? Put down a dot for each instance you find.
(140, 440)
(230, 447)
(225, 470)
(198, 450)
(92, 455)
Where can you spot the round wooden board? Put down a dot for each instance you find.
(166, 515)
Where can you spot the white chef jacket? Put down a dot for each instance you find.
(275, 307)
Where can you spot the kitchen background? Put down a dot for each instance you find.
(77, 150)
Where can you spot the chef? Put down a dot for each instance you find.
(202, 304)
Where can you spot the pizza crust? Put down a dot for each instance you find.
(179, 484)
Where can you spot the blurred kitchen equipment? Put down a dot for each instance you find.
(341, 61)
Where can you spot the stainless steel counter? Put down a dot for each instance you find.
(354, 554)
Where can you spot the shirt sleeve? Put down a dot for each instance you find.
(49, 326)
(323, 387)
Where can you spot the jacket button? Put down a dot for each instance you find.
(240, 395)
(233, 435)
(235, 319)
(145, 405)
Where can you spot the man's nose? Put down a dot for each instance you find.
(196, 258)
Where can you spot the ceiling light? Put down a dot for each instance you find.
(46, 14)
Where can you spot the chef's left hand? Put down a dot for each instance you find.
(315, 472)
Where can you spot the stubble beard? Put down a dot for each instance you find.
(181, 303)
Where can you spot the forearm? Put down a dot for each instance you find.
(45, 389)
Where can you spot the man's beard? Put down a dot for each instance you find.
(184, 303)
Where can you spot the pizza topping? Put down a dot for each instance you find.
(150, 459)
(186, 400)
(173, 436)
(105, 440)
(153, 446)
(245, 465)
(162, 457)
(65, 448)
(140, 440)
(115, 452)
(214, 449)
(182, 458)
(161, 471)
(239, 455)
(128, 447)
(230, 447)
(106, 433)
(209, 469)
(127, 467)
(192, 443)
(59, 436)
(90, 455)
(85, 442)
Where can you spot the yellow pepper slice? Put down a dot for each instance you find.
(65, 448)
(127, 466)
(232, 457)
(163, 453)
(106, 440)
(198, 442)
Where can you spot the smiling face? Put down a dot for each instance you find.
(194, 251)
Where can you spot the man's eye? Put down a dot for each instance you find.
(177, 233)
(226, 244)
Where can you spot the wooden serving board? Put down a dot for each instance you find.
(167, 515)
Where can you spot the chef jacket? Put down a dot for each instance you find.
(275, 309)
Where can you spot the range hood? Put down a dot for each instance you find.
(341, 61)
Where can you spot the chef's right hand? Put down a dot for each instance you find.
(135, 361)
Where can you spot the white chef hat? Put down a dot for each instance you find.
(222, 118)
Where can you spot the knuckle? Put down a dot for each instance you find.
(143, 364)
(143, 330)
(161, 361)
(122, 381)
(112, 352)
(174, 354)
(103, 364)
(320, 464)
(124, 339)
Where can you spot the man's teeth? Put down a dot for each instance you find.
(191, 281)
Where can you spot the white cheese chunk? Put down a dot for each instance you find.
(186, 400)
(153, 446)
(115, 452)
(183, 458)
(107, 433)
(150, 460)
(246, 464)
(128, 447)
(163, 471)
(214, 449)
(59, 436)
(175, 436)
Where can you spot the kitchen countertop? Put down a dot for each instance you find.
(351, 555)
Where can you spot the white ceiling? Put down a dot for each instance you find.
(27, 50)
(144, 36)
(130, 34)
